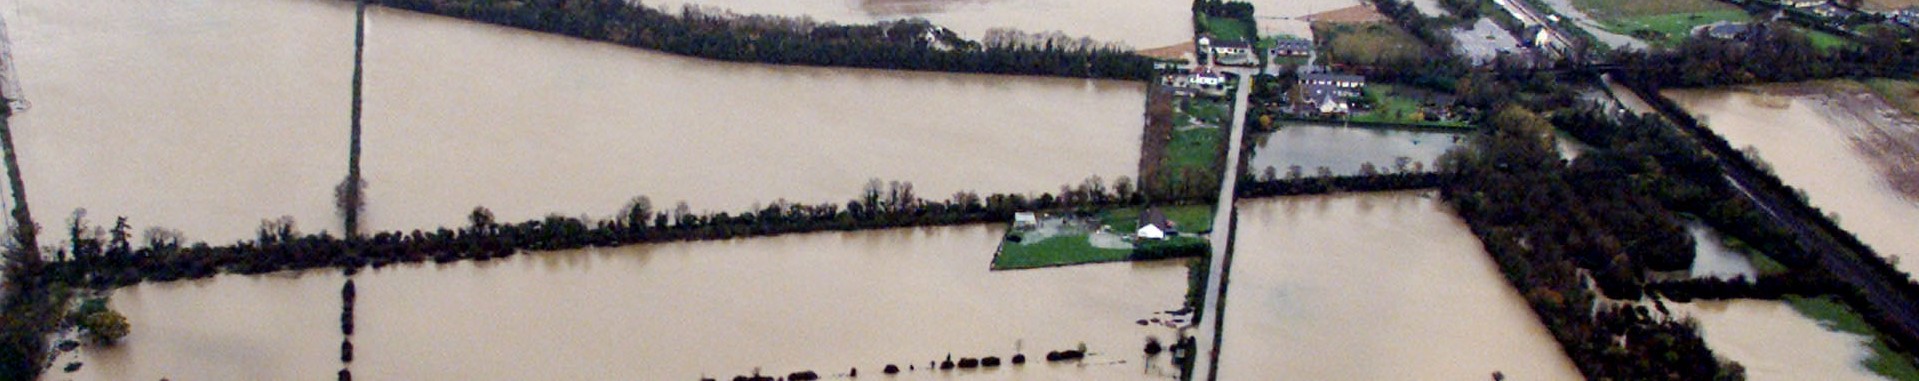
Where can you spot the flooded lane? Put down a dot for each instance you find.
(1377, 286)
(203, 116)
(826, 302)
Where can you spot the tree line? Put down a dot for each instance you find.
(912, 44)
(1774, 52)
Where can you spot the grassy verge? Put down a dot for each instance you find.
(1901, 94)
(1191, 218)
(1606, 9)
(1054, 251)
(1837, 316)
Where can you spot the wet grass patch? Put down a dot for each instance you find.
(1836, 316)
(1671, 28)
(1059, 250)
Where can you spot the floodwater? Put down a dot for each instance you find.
(827, 302)
(1344, 150)
(1711, 257)
(1775, 342)
(230, 327)
(1376, 286)
(573, 127)
(211, 116)
(1139, 23)
(1284, 16)
(1814, 151)
(203, 116)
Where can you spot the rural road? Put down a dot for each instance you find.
(1208, 340)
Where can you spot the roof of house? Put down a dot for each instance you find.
(1153, 217)
(1232, 44)
(1294, 44)
(1316, 77)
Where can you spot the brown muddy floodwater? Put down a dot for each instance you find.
(1712, 258)
(210, 116)
(562, 125)
(1141, 24)
(827, 302)
(1774, 342)
(230, 327)
(1812, 148)
(202, 116)
(1377, 286)
(1344, 150)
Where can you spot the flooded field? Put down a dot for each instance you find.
(198, 116)
(1775, 342)
(1139, 23)
(825, 302)
(229, 327)
(1817, 145)
(1287, 16)
(1381, 286)
(191, 115)
(575, 128)
(1344, 150)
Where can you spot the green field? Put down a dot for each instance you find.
(1207, 110)
(1190, 218)
(1837, 316)
(1058, 250)
(1368, 44)
(1224, 28)
(1611, 9)
(1672, 27)
(1825, 41)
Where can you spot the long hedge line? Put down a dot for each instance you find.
(908, 45)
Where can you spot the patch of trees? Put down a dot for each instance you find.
(1170, 248)
(1159, 181)
(1292, 186)
(1519, 198)
(1775, 52)
(1225, 9)
(1438, 66)
(281, 246)
(1771, 287)
(912, 44)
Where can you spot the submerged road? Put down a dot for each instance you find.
(1208, 340)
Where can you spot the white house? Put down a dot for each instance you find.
(1025, 220)
(1150, 232)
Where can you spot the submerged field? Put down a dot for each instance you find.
(828, 302)
(1374, 286)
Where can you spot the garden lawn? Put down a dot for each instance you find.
(1060, 250)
